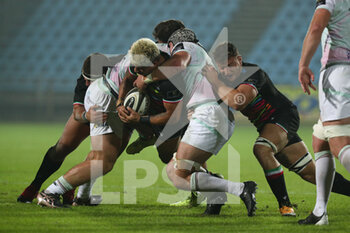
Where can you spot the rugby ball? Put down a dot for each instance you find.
(138, 101)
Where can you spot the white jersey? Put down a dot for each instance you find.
(116, 74)
(197, 88)
(164, 48)
(336, 47)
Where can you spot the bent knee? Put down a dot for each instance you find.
(107, 167)
(261, 151)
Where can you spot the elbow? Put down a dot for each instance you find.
(238, 107)
(171, 118)
(237, 101)
(316, 30)
(76, 115)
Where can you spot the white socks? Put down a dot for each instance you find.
(201, 181)
(344, 157)
(84, 191)
(60, 186)
(325, 170)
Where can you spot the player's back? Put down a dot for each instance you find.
(196, 88)
(337, 44)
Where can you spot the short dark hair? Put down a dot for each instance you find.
(183, 35)
(164, 29)
(100, 62)
(224, 51)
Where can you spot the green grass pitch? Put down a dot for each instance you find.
(24, 145)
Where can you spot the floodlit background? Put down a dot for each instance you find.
(44, 42)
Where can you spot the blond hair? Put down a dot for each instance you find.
(143, 52)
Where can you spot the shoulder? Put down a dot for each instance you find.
(188, 47)
(254, 69)
(178, 48)
(326, 4)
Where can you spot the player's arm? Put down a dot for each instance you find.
(158, 119)
(174, 65)
(92, 115)
(79, 113)
(172, 97)
(312, 39)
(125, 86)
(238, 98)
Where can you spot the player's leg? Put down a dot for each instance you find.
(338, 134)
(325, 173)
(166, 151)
(272, 139)
(186, 173)
(73, 134)
(106, 148)
(84, 195)
(335, 111)
(297, 159)
(200, 141)
(146, 138)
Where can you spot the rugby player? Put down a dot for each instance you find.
(114, 134)
(203, 137)
(75, 131)
(276, 119)
(164, 97)
(331, 136)
(161, 33)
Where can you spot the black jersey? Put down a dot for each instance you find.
(80, 91)
(162, 92)
(269, 102)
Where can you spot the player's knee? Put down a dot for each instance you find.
(107, 167)
(181, 178)
(262, 146)
(304, 166)
(177, 176)
(170, 170)
(165, 157)
(261, 152)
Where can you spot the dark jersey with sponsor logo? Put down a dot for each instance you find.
(161, 92)
(269, 102)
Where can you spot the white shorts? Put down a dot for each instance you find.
(98, 94)
(334, 93)
(209, 128)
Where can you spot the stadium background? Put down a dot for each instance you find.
(43, 44)
(42, 47)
